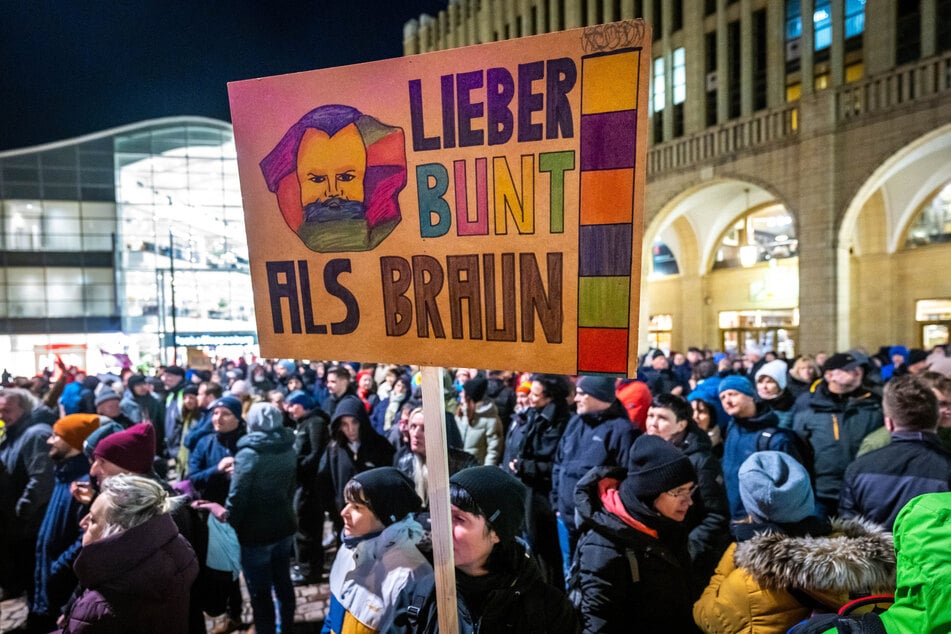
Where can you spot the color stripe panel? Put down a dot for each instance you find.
(608, 140)
(602, 91)
(607, 196)
(605, 250)
(604, 301)
(602, 350)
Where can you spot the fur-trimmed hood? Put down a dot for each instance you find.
(858, 555)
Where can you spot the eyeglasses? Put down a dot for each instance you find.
(682, 493)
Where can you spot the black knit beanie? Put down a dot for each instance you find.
(391, 495)
(654, 466)
(475, 389)
(500, 496)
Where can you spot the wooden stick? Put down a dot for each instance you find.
(434, 415)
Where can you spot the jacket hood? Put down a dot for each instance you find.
(922, 536)
(272, 441)
(856, 556)
(351, 405)
(695, 440)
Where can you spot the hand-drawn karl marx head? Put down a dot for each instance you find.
(337, 174)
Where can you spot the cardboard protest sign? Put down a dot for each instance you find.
(478, 207)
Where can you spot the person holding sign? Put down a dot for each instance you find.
(499, 588)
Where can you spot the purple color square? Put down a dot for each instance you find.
(608, 140)
(604, 250)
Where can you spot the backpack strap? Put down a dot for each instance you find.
(762, 440)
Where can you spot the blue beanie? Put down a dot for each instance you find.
(776, 488)
(300, 397)
(230, 403)
(739, 383)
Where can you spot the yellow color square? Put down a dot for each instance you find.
(609, 82)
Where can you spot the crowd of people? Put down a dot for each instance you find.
(712, 493)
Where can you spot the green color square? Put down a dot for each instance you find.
(604, 302)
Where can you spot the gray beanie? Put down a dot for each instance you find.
(776, 488)
(264, 417)
(599, 387)
(107, 394)
(776, 370)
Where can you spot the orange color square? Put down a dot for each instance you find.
(602, 350)
(607, 197)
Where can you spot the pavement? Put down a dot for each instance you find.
(312, 604)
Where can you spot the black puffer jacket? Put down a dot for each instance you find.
(631, 578)
(517, 601)
(536, 458)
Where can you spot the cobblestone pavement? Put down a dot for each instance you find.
(312, 603)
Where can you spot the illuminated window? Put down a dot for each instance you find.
(663, 261)
(932, 225)
(660, 89)
(822, 23)
(854, 17)
(769, 234)
(680, 76)
(854, 72)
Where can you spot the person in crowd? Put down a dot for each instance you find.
(632, 561)
(708, 519)
(803, 373)
(208, 393)
(173, 378)
(354, 447)
(752, 427)
(339, 386)
(378, 570)
(835, 416)
(260, 509)
(532, 462)
(479, 424)
(366, 390)
(411, 460)
(897, 355)
(58, 541)
(941, 386)
(135, 569)
(499, 390)
(753, 360)
(150, 408)
(878, 484)
(311, 436)
(498, 586)
(705, 416)
(681, 367)
(787, 561)
(259, 380)
(387, 413)
(26, 458)
(398, 436)
(658, 376)
(108, 404)
(599, 435)
(771, 381)
(515, 430)
(707, 388)
(635, 396)
(191, 415)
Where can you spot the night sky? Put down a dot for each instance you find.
(72, 67)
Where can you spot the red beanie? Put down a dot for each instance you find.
(132, 449)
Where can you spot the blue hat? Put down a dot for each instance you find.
(776, 488)
(230, 403)
(739, 383)
(299, 397)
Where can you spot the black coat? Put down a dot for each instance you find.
(629, 579)
(536, 455)
(339, 463)
(520, 602)
(311, 437)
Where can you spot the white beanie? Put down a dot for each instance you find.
(776, 370)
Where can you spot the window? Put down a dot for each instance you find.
(680, 90)
(908, 32)
(761, 236)
(676, 15)
(710, 54)
(793, 35)
(658, 19)
(822, 25)
(943, 22)
(663, 261)
(733, 83)
(759, 59)
(709, 7)
(660, 98)
(854, 18)
(933, 223)
(659, 329)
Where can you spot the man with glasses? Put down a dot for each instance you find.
(878, 484)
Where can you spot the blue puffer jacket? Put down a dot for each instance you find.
(741, 442)
(203, 471)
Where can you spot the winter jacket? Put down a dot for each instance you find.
(782, 405)
(742, 440)
(261, 499)
(59, 540)
(457, 459)
(373, 581)
(482, 436)
(341, 462)
(881, 437)
(599, 439)
(203, 471)
(773, 580)
(660, 381)
(536, 456)
(708, 519)
(633, 566)
(311, 436)
(835, 427)
(517, 600)
(878, 484)
(136, 581)
(26, 457)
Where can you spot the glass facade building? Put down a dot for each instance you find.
(127, 241)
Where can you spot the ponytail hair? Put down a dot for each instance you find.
(132, 500)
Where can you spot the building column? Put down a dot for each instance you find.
(746, 57)
(723, 63)
(878, 41)
(696, 76)
(929, 35)
(775, 55)
(807, 48)
(837, 52)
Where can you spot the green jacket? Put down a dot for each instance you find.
(923, 549)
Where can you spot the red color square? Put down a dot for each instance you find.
(602, 350)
